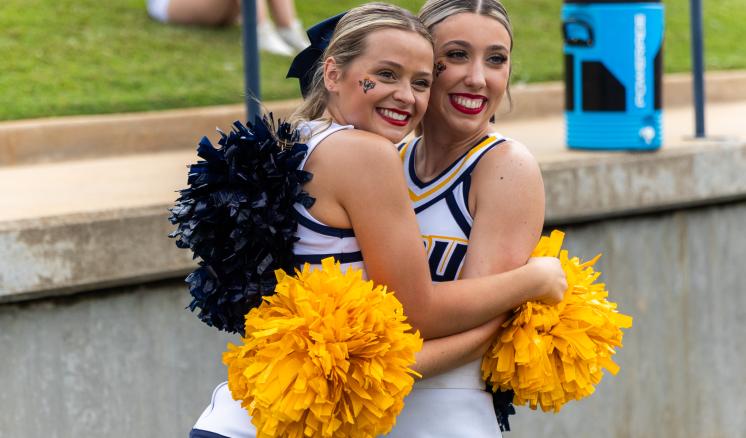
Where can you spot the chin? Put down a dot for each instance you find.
(465, 125)
(394, 135)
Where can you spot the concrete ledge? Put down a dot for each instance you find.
(82, 225)
(704, 173)
(81, 137)
(80, 252)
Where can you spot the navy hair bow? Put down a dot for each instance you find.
(305, 63)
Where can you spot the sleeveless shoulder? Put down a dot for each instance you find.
(354, 154)
(317, 131)
(317, 240)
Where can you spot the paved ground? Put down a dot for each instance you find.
(545, 137)
(85, 186)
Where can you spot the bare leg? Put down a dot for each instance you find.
(283, 12)
(269, 40)
(203, 12)
(261, 12)
(288, 26)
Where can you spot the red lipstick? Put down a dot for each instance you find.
(392, 118)
(461, 101)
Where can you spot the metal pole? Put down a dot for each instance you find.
(251, 58)
(698, 82)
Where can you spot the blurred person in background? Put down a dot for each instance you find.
(284, 37)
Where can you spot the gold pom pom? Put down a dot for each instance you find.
(549, 355)
(328, 355)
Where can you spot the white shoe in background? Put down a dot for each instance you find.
(270, 41)
(294, 36)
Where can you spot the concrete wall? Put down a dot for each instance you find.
(128, 362)
(131, 362)
(680, 275)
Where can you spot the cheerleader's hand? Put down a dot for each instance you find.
(553, 281)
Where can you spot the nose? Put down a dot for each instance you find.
(404, 94)
(475, 76)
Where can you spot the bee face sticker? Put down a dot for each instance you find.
(439, 68)
(367, 84)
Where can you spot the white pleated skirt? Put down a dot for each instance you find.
(446, 413)
(460, 409)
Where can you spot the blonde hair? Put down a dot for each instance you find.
(348, 42)
(435, 11)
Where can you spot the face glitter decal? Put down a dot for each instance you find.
(439, 68)
(367, 84)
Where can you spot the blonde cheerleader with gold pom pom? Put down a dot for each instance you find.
(549, 355)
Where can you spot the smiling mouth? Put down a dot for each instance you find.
(468, 103)
(395, 117)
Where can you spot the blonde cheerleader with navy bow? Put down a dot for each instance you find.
(366, 80)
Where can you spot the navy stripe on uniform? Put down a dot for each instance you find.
(197, 433)
(315, 259)
(457, 215)
(445, 193)
(465, 191)
(465, 176)
(323, 229)
(413, 173)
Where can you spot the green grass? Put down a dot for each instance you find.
(66, 57)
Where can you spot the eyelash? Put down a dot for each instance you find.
(386, 74)
(501, 59)
(422, 84)
(391, 76)
(460, 54)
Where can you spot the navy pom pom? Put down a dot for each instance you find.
(502, 401)
(237, 216)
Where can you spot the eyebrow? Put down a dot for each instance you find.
(401, 67)
(391, 64)
(467, 45)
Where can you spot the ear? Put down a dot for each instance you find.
(332, 74)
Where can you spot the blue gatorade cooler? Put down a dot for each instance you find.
(613, 73)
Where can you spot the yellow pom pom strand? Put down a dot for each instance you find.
(328, 355)
(549, 355)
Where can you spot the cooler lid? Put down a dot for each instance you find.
(591, 2)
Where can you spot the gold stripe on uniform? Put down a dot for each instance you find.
(403, 151)
(414, 197)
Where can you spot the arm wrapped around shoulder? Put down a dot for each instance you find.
(328, 355)
(551, 354)
(237, 217)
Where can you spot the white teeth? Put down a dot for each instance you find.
(468, 103)
(392, 115)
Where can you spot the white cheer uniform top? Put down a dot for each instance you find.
(454, 403)
(318, 240)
